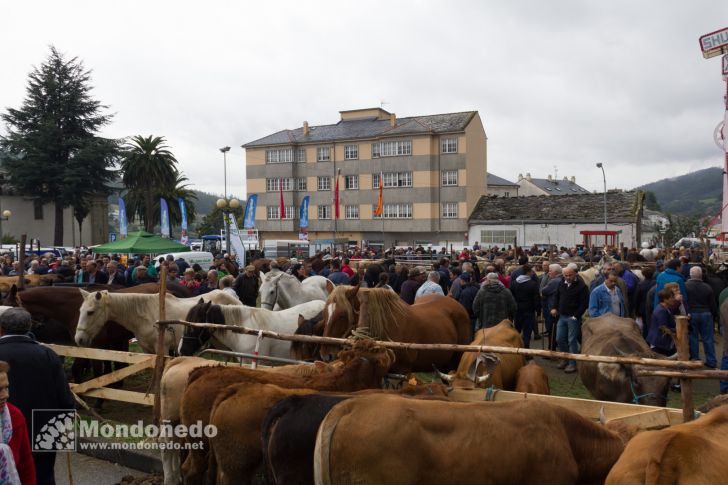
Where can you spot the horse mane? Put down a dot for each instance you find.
(131, 304)
(197, 313)
(384, 310)
(215, 315)
(339, 298)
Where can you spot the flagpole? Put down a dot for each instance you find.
(336, 205)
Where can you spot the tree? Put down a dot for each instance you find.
(51, 148)
(681, 226)
(212, 222)
(651, 201)
(149, 170)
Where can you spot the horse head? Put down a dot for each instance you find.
(92, 316)
(308, 351)
(269, 289)
(341, 315)
(194, 337)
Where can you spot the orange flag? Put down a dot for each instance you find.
(380, 202)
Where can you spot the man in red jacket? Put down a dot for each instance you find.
(13, 435)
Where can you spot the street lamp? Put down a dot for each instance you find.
(604, 176)
(6, 216)
(226, 205)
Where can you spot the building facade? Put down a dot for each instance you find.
(433, 171)
(501, 187)
(559, 221)
(548, 186)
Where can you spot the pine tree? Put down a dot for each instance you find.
(52, 150)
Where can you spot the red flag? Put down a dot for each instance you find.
(380, 202)
(283, 205)
(336, 197)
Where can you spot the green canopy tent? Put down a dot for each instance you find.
(141, 243)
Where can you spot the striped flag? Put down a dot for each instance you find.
(283, 204)
(380, 201)
(336, 196)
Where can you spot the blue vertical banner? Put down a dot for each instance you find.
(122, 219)
(249, 218)
(182, 213)
(164, 219)
(303, 216)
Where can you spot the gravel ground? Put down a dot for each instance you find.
(90, 471)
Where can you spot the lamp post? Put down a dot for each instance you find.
(604, 176)
(5, 216)
(226, 205)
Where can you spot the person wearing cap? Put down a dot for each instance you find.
(493, 303)
(416, 278)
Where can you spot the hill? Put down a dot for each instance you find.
(695, 194)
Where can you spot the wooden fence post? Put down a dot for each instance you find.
(159, 364)
(21, 259)
(683, 353)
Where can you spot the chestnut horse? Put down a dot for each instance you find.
(433, 319)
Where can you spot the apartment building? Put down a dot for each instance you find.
(433, 171)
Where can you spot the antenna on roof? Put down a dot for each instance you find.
(382, 103)
(556, 172)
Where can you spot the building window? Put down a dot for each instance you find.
(395, 148)
(323, 154)
(351, 212)
(301, 184)
(375, 181)
(376, 150)
(506, 194)
(323, 183)
(498, 237)
(324, 212)
(351, 182)
(273, 212)
(38, 209)
(395, 211)
(449, 145)
(449, 210)
(300, 154)
(398, 179)
(279, 155)
(274, 184)
(351, 152)
(449, 177)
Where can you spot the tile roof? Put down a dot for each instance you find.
(369, 128)
(496, 180)
(558, 187)
(621, 207)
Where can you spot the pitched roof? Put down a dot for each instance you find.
(621, 207)
(369, 128)
(558, 187)
(496, 180)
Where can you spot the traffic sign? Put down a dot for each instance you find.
(112, 236)
(714, 43)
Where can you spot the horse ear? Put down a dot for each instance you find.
(84, 293)
(329, 286)
(353, 292)
(301, 321)
(200, 301)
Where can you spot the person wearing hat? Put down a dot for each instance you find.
(415, 279)
(493, 303)
(246, 286)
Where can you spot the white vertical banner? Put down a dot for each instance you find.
(236, 241)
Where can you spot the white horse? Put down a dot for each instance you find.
(138, 313)
(283, 321)
(286, 291)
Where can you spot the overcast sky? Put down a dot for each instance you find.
(560, 83)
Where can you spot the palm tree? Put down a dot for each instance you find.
(148, 170)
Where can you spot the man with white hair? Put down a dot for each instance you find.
(703, 308)
(432, 285)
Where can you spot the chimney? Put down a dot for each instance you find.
(520, 176)
(573, 180)
(528, 176)
(306, 130)
(392, 120)
(566, 179)
(549, 177)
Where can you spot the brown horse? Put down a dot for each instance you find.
(433, 319)
(55, 310)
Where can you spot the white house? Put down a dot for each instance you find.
(562, 221)
(548, 186)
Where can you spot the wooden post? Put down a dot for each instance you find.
(21, 259)
(683, 353)
(161, 328)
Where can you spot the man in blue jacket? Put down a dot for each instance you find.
(607, 298)
(671, 275)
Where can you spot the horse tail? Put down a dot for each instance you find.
(322, 451)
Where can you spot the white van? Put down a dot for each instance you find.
(204, 259)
